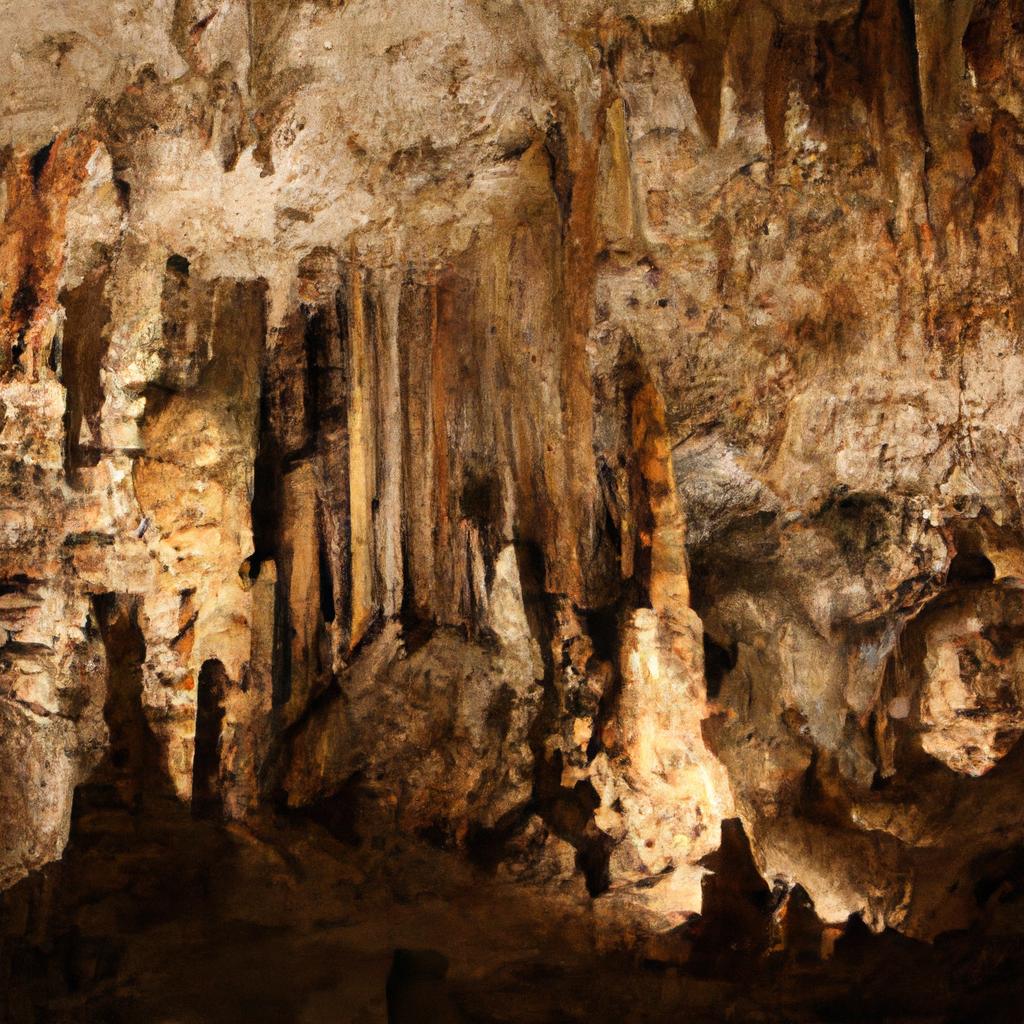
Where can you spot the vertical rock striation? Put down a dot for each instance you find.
(536, 426)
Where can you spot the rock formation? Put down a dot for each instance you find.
(548, 429)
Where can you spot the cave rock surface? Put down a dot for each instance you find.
(549, 428)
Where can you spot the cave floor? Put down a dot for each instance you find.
(159, 918)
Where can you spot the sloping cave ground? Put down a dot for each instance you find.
(161, 916)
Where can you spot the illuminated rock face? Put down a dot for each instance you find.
(554, 426)
(969, 699)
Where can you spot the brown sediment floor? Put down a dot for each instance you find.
(162, 918)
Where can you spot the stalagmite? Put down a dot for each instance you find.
(561, 455)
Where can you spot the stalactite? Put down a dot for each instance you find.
(580, 437)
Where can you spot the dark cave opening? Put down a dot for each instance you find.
(970, 567)
(212, 692)
(40, 158)
(719, 661)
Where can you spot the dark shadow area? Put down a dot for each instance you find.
(417, 990)
(40, 158)
(206, 791)
(567, 812)
(155, 915)
(339, 813)
(131, 767)
(970, 567)
(732, 932)
(83, 349)
(719, 661)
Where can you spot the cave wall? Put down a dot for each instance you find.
(594, 421)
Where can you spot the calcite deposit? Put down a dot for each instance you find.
(552, 430)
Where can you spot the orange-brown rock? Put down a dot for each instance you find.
(554, 429)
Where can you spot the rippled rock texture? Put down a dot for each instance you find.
(551, 430)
